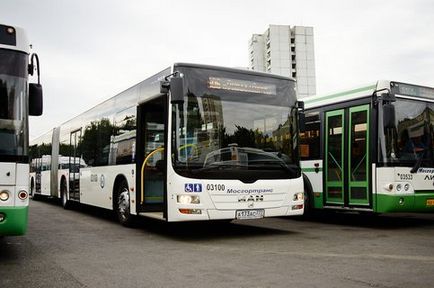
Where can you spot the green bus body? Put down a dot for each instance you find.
(353, 161)
(15, 221)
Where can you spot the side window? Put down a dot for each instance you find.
(123, 141)
(94, 144)
(310, 139)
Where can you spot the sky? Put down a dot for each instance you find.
(92, 50)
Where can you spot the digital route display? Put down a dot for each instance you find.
(241, 86)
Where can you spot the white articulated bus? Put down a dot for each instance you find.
(192, 142)
(18, 100)
(370, 149)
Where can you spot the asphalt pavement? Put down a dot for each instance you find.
(85, 247)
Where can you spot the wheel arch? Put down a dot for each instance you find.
(62, 178)
(118, 180)
(307, 186)
(32, 185)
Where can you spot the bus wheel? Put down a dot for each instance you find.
(32, 188)
(64, 194)
(307, 204)
(122, 205)
(308, 198)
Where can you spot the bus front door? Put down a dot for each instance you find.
(74, 166)
(346, 175)
(151, 160)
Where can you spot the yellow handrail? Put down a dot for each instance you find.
(142, 175)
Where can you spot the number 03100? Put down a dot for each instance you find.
(215, 187)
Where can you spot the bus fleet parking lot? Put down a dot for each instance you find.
(86, 248)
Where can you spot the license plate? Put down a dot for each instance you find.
(250, 214)
(429, 202)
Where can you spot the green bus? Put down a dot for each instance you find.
(370, 149)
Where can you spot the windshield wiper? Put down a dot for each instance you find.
(288, 167)
(221, 165)
(419, 160)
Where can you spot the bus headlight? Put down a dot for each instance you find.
(4, 195)
(298, 196)
(398, 187)
(406, 187)
(188, 199)
(23, 195)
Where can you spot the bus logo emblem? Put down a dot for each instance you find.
(193, 187)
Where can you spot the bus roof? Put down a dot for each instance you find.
(13, 38)
(397, 88)
(135, 94)
(235, 70)
(346, 95)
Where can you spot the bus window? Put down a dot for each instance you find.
(309, 140)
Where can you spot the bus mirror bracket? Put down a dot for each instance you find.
(300, 105)
(164, 87)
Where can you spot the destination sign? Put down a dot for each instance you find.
(241, 85)
(411, 90)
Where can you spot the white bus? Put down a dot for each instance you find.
(370, 149)
(18, 100)
(192, 142)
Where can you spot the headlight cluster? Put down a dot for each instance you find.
(188, 199)
(4, 195)
(298, 196)
(400, 187)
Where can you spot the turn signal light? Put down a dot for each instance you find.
(23, 195)
(190, 211)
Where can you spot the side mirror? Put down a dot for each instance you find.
(301, 121)
(177, 90)
(388, 115)
(35, 99)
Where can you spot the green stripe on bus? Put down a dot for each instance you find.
(311, 169)
(340, 94)
(412, 203)
(15, 222)
(424, 192)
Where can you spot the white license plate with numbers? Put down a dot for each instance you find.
(250, 214)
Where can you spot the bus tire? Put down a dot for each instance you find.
(308, 197)
(66, 204)
(122, 204)
(32, 188)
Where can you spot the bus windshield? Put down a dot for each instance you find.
(232, 125)
(13, 108)
(412, 137)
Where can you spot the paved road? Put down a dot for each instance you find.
(87, 248)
